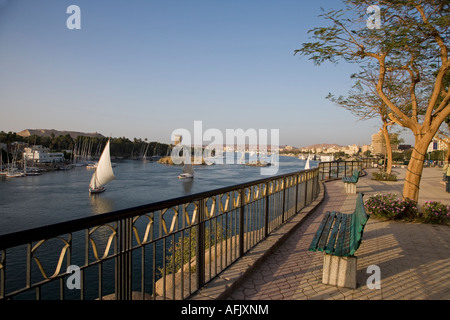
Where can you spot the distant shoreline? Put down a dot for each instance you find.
(168, 160)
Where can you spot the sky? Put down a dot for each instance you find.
(144, 68)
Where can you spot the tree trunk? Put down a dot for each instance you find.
(448, 151)
(415, 167)
(388, 162)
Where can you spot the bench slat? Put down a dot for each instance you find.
(360, 218)
(352, 179)
(341, 234)
(326, 231)
(349, 237)
(315, 241)
(330, 245)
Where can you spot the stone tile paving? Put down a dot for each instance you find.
(414, 259)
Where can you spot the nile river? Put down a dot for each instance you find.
(34, 201)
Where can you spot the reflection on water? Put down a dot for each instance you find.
(100, 204)
(187, 185)
(52, 197)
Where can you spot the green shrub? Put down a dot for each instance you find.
(187, 245)
(435, 212)
(384, 176)
(388, 206)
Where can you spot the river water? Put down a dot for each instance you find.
(57, 196)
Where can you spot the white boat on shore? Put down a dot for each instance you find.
(103, 173)
(33, 171)
(91, 166)
(15, 174)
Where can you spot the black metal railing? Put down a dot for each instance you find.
(338, 169)
(164, 250)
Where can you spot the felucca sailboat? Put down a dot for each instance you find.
(307, 166)
(103, 173)
(188, 171)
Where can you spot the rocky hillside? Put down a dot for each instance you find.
(49, 132)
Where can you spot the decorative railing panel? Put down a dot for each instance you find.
(164, 250)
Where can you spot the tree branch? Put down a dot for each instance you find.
(444, 68)
(402, 119)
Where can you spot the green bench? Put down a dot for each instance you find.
(350, 182)
(339, 236)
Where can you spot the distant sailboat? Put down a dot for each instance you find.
(103, 173)
(307, 164)
(188, 171)
(1, 163)
(242, 161)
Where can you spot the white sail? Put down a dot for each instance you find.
(188, 168)
(307, 164)
(242, 161)
(103, 173)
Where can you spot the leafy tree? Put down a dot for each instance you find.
(444, 131)
(364, 102)
(409, 43)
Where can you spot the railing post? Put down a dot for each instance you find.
(337, 168)
(200, 248)
(283, 214)
(123, 262)
(329, 170)
(241, 222)
(306, 188)
(296, 193)
(317, 183)
(266, 214)
(2, 273)
(314, 187)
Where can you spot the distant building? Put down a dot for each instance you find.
(178, 139)
(436, 145)
(365, 148)
(287, 148)
(379, 145)
(404, 147)
(39, 154)
(351, 150)
(333, 149)
(326, 158)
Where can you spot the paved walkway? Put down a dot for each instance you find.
(414, 259)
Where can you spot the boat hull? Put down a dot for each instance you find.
(97, 190)
(15, 175)
(185, 176)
